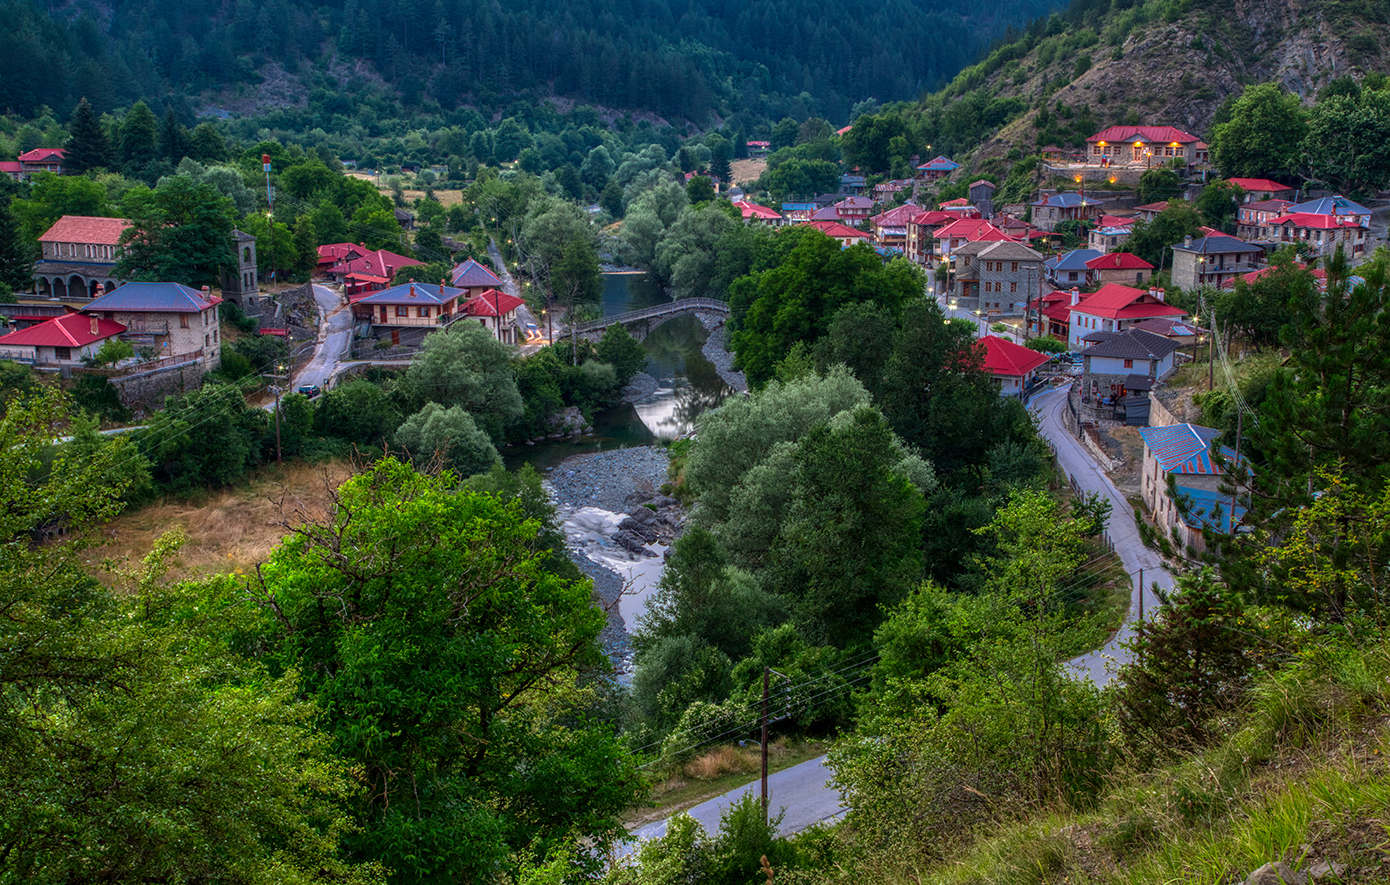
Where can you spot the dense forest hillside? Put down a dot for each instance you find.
(691, 60)
(1161, 62)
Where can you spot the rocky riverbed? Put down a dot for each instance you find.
(619, 527)
(717, 353)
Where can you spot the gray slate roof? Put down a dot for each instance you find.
(1135, 344)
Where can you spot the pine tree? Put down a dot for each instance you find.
(173, 138)
(88, 148)
(16, 268)
(139, 137)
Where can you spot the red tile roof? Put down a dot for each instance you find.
(86, 229)
(934, 218)
(333, 253)
(1318, 274)
(380, 263)
(1120, 261)
(1003, 357)
(1314, 221)
(958, 201)
(491, 303)
(753, 210)
(1259, 184)
(1125, 303)
(69, 330)
(1116, 221)
(836, 229)
(971, 229)
(43, 155)
(10, 166)
(896, 216)
(1153, 207)
(1153, 134)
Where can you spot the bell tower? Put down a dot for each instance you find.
(240, 284)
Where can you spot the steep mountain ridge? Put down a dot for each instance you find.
(1170, 62)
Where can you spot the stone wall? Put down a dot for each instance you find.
(145, 391)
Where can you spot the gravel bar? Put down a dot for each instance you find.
(605, 479)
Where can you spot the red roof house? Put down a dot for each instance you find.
(1114, 308)
(1051, 314)
(496, 310)
(1013, 366)
(13, 168)
(1144, 146)
(1258, 189)
(753, 212)
(1118, 267)
(337, 253)
(847, 236)
(63, 340)
(42, 160)
(370, 272)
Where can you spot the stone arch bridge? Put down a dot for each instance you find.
(640, 323)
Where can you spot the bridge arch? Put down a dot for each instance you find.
(641, 323)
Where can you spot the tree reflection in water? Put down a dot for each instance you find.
(689, 383)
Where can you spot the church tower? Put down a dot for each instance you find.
(240, 285)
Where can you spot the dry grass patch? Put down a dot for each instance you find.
(744, 171)
(227, 531)
(718, 771)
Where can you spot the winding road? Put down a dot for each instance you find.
(804, 791)
(335, 336)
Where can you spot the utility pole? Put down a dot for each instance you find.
(766, 672)
(1141, 596)
(1235, 466)
(270, 216)
(276, 389)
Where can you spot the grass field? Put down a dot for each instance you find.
(228, 531)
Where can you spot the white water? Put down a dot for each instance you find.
(590, 530)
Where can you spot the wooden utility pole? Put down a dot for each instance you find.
(766, 670)
(276, 389)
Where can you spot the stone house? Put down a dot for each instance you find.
(997, 276)
(1212, 260)
(1144, 146)
(1015, 367)
(1054, 209)
(1115, 308)
(79, 254)
(171, 318)
(1184, 453)
(1118, 267)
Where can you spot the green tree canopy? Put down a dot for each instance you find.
(451, 666)
(450, 435)
(181, 232)
(465, 366)
(1264, 135)
(89, 147)
(796, 300)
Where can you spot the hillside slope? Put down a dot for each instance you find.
(1168, 62)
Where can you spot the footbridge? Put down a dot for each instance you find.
(640, 323)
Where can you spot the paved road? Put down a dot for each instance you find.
(801, 792)
(335, 337)
(1078, 464)
(523, 313)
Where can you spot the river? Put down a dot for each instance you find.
(687, 384)
(591, 493)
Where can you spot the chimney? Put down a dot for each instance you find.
(1160, 294)
(1153, 291)
(1075, 296)
(1117, 259)
(207, 293)
(412, 290)
(95, 329)
(1187, 241)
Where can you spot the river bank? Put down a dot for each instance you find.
(618, 526)
(717, 352)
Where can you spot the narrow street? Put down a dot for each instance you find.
(335, 337)
(509, 285)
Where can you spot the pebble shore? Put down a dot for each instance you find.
(604, 480)
(717, 353)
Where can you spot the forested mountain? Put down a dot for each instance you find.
(689, 60)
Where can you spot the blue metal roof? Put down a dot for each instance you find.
(1337, 205)
(1185, 449)
(414, 293)
(1074, 260)
(1209, 508)
(151, 297)
(471, 274)
(798, 207)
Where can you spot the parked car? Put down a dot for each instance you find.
(309, 390)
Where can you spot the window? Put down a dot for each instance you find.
(62, 353)
(1013, 287)
(207, 341)
(1129, 364)
(424, 312)
(183, 321)
(1013, 267)
(402, 310)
